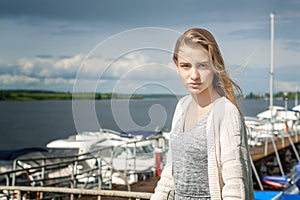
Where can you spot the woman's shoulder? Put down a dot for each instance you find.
(184, 101)
(184, 98)
(224, 107)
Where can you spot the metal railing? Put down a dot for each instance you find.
(88, 192)
(74, 178)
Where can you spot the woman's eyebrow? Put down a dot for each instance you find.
(204, 62)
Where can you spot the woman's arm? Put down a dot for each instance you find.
(235, 158)
(165, 184)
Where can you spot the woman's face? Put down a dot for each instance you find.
(195, 69)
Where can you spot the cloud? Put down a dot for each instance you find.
(46, 66)
(286, 86)
(127, 73)
(40, 72)
(64, 57)
(132, 70)
(58, 81)
(8, 79)
(72, 29)
(139, 12)
(139, 66)
(50, 35)
(45, 56)
(139, 71)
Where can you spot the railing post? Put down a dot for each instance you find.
(134, 159)
(75, 172)
(296, 131)
(43, 176)
(164, 144)
(7, 179)
(266, 146)
(126, 158)
(72, 180)
(111, 166)
(13, 181)
(99, 177)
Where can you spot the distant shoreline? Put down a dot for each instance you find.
(29, 95)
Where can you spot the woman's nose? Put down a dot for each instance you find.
(195, 74)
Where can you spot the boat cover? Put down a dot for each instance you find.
(265, 195)
(145, 134)
(290, 197)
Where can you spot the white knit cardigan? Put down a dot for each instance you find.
(229, 169)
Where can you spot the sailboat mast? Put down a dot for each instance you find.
(272, 16)
(296, 96)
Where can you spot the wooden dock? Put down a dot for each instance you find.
(260, 152)
(141, 186)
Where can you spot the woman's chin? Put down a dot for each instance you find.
(200, 91)
(195, 91)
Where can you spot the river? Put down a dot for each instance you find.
(35, 123)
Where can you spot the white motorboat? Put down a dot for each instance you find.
(127, 153)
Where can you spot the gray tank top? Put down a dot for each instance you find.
(189, 155)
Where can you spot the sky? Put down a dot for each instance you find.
(126, 46)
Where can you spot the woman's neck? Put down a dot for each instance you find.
(206, 98)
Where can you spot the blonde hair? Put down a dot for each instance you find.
(222, 83)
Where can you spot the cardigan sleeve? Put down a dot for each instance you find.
(235, 160)
(164, 185)
(166, 181)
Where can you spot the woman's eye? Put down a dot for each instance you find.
(185, 65)
(202, 65)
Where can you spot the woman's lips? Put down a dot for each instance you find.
(194, 85)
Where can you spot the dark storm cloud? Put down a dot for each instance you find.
(113, 10)
(137, 11)
(93, 13)
(64, 57)
(51, 31)
(45, 56)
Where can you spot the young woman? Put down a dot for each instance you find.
(208, 156)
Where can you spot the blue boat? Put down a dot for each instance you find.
(290, 186)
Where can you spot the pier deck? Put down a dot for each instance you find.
(257, 153)
(141, 186)
(260, 152)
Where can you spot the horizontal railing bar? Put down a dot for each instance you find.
(112, 193)
(60, 163)
(60, 157)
